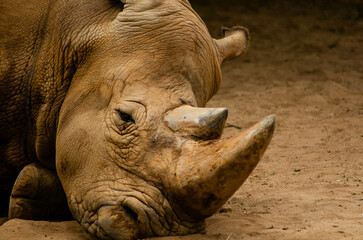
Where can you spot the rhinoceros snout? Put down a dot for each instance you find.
(197, 123)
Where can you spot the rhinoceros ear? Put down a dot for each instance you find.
(235, 42)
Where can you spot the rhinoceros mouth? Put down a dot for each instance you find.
(134, 218)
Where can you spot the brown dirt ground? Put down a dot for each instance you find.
(305, 65)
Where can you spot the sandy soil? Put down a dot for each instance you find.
(306, 66)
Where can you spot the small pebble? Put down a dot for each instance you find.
(225, 210)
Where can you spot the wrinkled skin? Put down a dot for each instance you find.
(98, 88)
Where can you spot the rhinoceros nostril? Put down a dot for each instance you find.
(130, 213)
(117, 222)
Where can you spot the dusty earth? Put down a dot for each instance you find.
(305, 65)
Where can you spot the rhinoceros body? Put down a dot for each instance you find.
(102, 109)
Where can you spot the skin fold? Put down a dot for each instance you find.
(107, 97)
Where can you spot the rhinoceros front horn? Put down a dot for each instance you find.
(209, 172)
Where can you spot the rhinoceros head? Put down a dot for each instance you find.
(136, 152)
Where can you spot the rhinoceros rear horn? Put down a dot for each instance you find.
(209, 173)
(235, 42)
(197, 123)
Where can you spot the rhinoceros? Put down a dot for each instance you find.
(103, 113)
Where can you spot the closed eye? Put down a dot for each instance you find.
(125, 117)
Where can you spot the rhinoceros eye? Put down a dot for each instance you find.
(125, 117)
